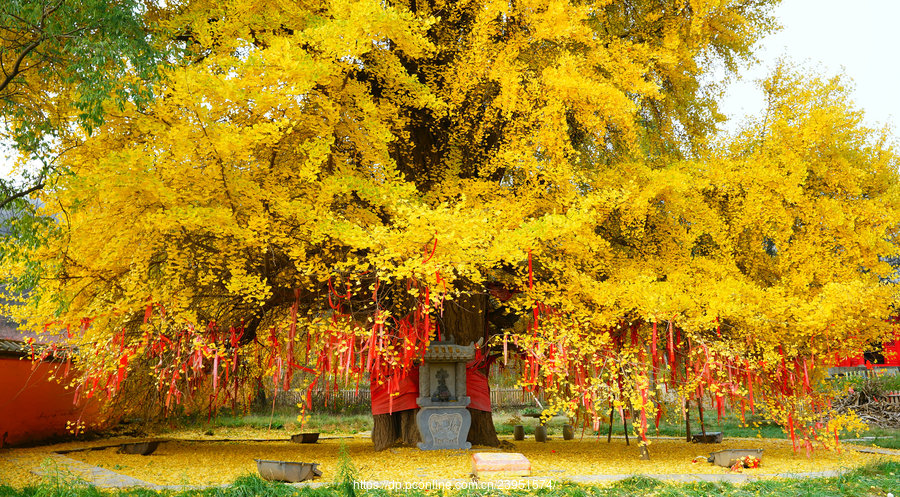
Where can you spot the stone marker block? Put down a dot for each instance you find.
(500, 464)
(711, 437)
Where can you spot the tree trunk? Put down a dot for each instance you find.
(397, 429)
(482, 431)
(465, 321)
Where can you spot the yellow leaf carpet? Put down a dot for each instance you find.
(217, 461)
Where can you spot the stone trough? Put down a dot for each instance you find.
(288, 471)
(305, 438)
(727, 458)
(140, 448)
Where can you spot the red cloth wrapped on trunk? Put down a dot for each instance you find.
(408, 389)
(477, 389)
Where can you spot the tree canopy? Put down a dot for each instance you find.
(60, 61)
(320, 185)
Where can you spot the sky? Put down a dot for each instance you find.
(859, 38)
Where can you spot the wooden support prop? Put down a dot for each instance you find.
(645, 453)
(609, 435)
(687, 419)
(700, 411)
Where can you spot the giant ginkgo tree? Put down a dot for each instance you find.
(323, 188)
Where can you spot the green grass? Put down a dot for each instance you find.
(887, 443)
(885, 438)
(730, 424)
(323, 423)
(504, 421)
(282, 420)
(873, 480)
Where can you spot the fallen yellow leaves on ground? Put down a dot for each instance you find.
(182, 461)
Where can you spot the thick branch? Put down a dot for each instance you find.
(21, 194)
(16, 69)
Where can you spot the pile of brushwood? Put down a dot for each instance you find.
(870, 399)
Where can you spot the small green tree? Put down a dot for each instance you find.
(60, 61)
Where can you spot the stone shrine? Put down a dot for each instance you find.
(443, 419)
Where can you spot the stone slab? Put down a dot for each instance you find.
(878, 450)
(500, 464)
(65, 467)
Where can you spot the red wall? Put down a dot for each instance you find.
(34, 407)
